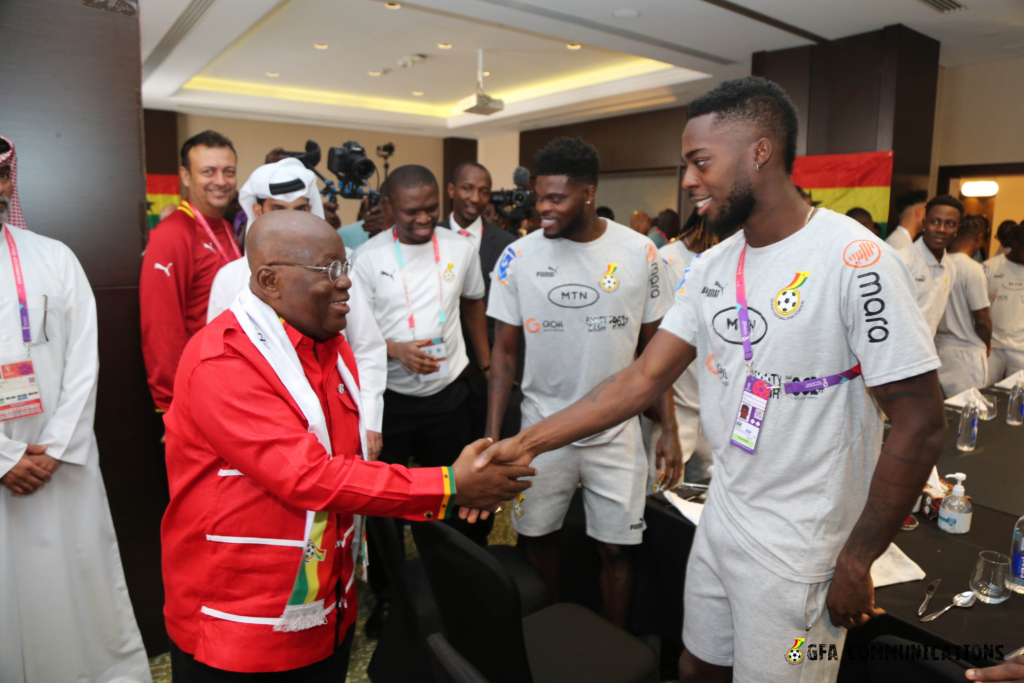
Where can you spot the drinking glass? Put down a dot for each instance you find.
(989, 579)
(986, 413)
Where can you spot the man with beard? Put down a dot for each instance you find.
(588, 293)
(933, 271)
(183, 255)
(813, 312)
(470, 192)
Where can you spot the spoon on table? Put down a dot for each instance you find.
(965, 599)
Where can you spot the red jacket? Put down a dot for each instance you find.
(243, 469)
(174, 290)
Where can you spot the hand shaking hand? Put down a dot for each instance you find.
(480, 490)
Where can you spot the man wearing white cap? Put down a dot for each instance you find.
(288, 185)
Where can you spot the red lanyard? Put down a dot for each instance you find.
(19, 283)
(206, 226)
(405, 283)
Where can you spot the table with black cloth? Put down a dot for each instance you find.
(995, 483)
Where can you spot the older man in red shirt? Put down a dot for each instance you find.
(264, 459)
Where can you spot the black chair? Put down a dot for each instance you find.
(449, 665)
(401, 654)
(900, 670)
(482, 615)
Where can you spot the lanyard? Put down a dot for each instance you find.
(209, 233)
(19, 283)
(405, 283)
(748, 349)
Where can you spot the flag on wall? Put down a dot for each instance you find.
(161, 190)
(842, 181)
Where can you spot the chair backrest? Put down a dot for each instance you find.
(449, 666)
(391, 551)
(478, 601)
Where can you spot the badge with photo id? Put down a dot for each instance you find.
(437, 349)
(750, 417)
(19, 392)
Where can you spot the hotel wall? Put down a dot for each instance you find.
(253, 139)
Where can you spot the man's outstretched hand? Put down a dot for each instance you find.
(505, 452)
(1010, 672)
(486, 488)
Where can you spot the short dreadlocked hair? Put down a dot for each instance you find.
(572, 157)
(756, 100)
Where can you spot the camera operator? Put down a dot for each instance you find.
(470, 192)
(371, 220)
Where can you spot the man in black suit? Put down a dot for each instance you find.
(470, 192)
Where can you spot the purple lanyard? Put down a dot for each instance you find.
(748, 350)
(19, 283)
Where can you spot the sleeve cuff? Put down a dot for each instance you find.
(447, 509)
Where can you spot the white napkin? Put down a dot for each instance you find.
(1011, 381)
(961, 399)
(691, 511)
(894, 567)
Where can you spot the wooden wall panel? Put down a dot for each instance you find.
(456, 151)
(163, 153)
(792, 70)
(636, 142)
(71, 103)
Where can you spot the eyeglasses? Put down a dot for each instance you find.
(333, 271)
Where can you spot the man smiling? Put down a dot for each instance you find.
(264, 457)
(814, 312)
(933, 271)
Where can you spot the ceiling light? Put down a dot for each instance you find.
(626, 14)
(374, 73)
(487, 73)
(445, 46)
(393, 5)
(574, 46)
(320, 46)
(417, 93)
(273, 74)
(979, 188)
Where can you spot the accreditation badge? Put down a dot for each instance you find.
(750, 416)
(19, 391)
(439, 351)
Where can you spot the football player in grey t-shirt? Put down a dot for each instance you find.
(804, 497)
(586, 294)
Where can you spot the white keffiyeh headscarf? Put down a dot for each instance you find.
(286, 181)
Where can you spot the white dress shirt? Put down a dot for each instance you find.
(933, 278)
(474, 232)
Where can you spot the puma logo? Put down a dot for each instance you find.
(166, 269)
(390, 275)
(209, 245)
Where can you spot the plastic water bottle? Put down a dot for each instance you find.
(967, 439)
(1015, 581)
(1015, 409)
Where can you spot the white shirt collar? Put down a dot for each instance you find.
(476, 228)
(929, 257)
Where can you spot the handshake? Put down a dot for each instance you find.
(487, 474)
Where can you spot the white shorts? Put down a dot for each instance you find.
(737, 613)
(613, 475)
(695, 447)
(1003, 363)
(963, 367)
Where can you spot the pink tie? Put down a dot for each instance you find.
(464, 233)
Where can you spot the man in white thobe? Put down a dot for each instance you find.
(65, 614)
(288, 185)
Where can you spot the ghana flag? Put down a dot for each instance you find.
(161, 190)
(842, 181)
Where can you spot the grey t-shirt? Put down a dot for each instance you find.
(581, 306)
(821, 301)
(968, 292)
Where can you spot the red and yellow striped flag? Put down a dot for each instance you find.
(161, 190)
(842, 181)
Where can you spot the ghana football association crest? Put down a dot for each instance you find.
(517, 507)
(448, 273)
(795, 654)
(787, 301)
(609, 282)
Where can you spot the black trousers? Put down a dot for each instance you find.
(431, 430)
(185, 668)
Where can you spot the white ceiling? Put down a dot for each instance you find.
(220, 66)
